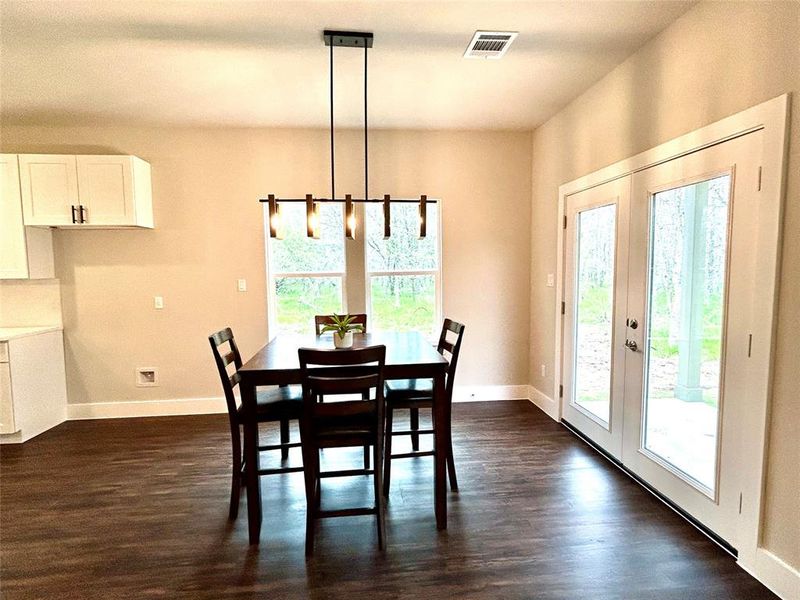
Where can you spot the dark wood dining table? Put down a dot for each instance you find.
(409, 355)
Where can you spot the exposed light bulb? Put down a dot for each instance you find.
(349, 218)
(351, 225)
(277, 222)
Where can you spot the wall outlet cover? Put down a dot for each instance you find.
(146, 377)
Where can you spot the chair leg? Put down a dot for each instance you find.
(414, 417)
(236, 475)
(365, 396)
(380, 501)
(310, 472)
(451, 466)
(387, 461)
(284, 438)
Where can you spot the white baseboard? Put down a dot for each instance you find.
(485, 393)
(778, 576)
(205, 406)
(146, 408)
(546, 403)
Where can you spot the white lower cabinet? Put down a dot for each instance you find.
(33, 390)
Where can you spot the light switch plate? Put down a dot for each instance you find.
(241, 285)
(158, 302)
(551, 279)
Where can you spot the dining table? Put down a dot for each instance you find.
(409, 355)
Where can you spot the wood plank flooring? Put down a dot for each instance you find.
(137, 508)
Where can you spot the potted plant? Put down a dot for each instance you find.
(342, 327)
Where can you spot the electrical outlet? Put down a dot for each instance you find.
(544, 370)
(241, 285)
(146, 377)
(158, 302)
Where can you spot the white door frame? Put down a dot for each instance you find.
(772, 118)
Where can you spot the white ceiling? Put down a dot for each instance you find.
(262, 63)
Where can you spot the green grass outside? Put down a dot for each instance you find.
(299, 300)
(404, 312)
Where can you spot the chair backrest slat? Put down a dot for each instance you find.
(232, 356)
(342, 385)
(321, 320)
(228, 358)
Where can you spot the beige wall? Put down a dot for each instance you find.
(716, 60)
(208, 233)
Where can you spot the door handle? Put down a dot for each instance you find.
(631, 345)
(74, 216)
(83, 213)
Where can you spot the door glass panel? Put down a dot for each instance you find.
(686, 296)
(596, 231)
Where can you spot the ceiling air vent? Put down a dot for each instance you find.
(490, 44)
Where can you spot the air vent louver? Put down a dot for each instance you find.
(490, 44)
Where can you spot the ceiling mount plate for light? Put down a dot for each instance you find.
(350, 39)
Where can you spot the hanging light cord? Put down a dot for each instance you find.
(366, 155)
(333, 169)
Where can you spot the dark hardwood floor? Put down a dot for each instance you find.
(137, 508)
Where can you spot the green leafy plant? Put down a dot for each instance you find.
(342, 324)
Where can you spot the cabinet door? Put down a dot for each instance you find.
(7, 424)
(106, 190)
(49, 188)
(13, 256)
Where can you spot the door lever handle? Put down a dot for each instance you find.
(631, 345)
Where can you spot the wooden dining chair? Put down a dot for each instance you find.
(321, 320)
(414, 394)
(280, 404)
(340, 424)
(358, 319)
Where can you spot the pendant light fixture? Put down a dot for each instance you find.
(347, 39)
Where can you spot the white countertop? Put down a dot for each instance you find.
(9, 333)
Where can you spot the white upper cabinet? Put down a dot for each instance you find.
(49, 184)
(13, 259)
(25, 252)
(86, 191)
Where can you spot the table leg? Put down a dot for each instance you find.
(440, 449)
(251, 453)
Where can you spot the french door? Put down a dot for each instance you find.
(594, 312)
(656, 341)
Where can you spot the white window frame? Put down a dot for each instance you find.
(272, 275)
(437, 273)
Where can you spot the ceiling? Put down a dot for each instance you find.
(235, 63)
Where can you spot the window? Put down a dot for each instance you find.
(401, 275)
(306, 275)
(403, 279)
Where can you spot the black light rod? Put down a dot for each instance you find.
(341, 200)
(366, 140)
(333, 162)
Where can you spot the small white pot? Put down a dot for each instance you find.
(345, 342)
